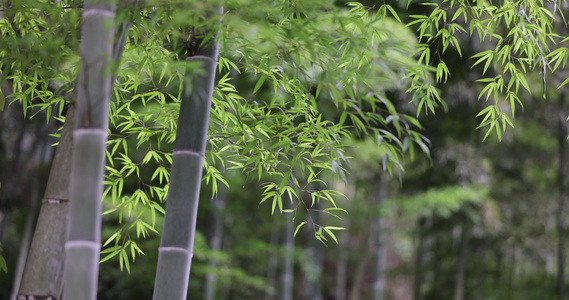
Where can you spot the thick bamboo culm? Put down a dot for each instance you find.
(177, 242)
(90, 135)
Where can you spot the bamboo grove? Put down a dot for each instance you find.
(165, 76)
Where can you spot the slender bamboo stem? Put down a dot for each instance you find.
(379, 278)
(215, 245)
(178, 234)
(560, 218)
(461, 261)
(43, 273)
(419, 257)
(89, 138)
(287, 277)
(341, 264)
(313, 267)
(272, 261)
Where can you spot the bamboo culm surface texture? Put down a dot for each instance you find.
(177, 242)
(93, 95)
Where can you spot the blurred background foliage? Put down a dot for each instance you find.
(472, 221)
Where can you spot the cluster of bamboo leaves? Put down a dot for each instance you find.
(318, 75)
(521, 36)
(277, 132)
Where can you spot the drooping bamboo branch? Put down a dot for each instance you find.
(178, 234)
(88, 162)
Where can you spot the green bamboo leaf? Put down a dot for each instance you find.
(392, 11)
(125, 260)
(284, 182)
(113, 251)
(563, 83)
(499, 131)
(3, 265)
(2, 101)
(335, 228)
(259, 83)
(298, 227)
(489, 130)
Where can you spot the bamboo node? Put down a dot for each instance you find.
(97, 11)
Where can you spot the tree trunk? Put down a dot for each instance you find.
(177, 242)
(461, 262)
(216, 238)
(419, 254)
(43, 273)
(272, 263)
(88, 160)
(358, 277)
(313, 268)
(561, 140)
(378, 276)
(341, 264)
(26, 238)
(287, 279)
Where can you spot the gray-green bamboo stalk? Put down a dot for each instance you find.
(83, 244)
(26, 238)
(215, 245)
(561, 199)
(287, 277)
(178, 234)
(419, 257)
(43, 273)
(459, 286)
(272, 261)
(340, 288)
(378, 277)
(341, 264)
(313, 265)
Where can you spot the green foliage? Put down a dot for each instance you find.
(307, 83)
(36, 54)
(2, 100)
(295, 79)
(522, 36)
(440, 203)
(3, 266)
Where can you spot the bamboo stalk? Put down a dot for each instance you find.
(561, 201)
(215, 245)
(378, 284)
(287, 276)
(178, 234)
(88, 162)
(43, 273)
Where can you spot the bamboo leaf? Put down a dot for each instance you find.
(2, 101)
(3, 265)
(298, 227)
(331, 234)
(259, 83)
